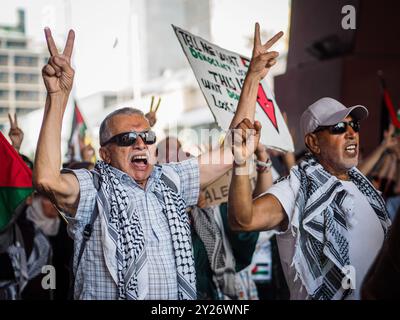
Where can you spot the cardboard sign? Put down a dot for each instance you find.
(217, 192)
(220, 74)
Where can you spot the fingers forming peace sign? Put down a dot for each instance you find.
(262, 59)
(16, 134)
(58, 74)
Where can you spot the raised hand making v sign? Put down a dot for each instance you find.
(261, 61)
(16, 134)
(57, 74)
(58, 77)
(246, 136)
(247, 132)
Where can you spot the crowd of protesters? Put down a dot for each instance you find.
(135, 224)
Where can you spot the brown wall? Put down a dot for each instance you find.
(350, 78)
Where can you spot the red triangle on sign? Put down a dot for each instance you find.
(267, 105)
(245, 61)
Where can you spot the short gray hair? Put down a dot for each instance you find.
(104, 132)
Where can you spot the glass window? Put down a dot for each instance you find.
(3, 77)
(4, 110)
(3, 94)
(3, 60)
(23, 110)
(26, 78)
(16, 44)
(26, 95)
(22, 61)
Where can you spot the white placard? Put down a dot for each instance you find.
(220, 74)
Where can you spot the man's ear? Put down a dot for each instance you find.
(312, 143)
(105, 154)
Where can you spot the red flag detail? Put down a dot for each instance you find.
(391, 109)
(13, 170)
(267, 105)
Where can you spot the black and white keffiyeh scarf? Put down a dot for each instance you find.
(208, 225)
(125, 237)
(322, 248)
(26, 269)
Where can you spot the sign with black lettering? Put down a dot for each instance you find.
(220, 74)
(217, 192)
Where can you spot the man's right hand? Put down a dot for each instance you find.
(58, 74)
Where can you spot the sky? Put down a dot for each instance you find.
(101, 56)
(101, 63)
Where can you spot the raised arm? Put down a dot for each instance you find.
(244, 214)
(388, 142)
(264, 174)
(261, 61)
(58, 75)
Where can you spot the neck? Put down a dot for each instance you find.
(340, 173)
(142, 183)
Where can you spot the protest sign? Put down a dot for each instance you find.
(217, 192)
(220, 74)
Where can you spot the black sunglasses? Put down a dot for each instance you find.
(340, 127)
(127, 139)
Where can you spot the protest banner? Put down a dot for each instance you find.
(217, 192)
(220, 74)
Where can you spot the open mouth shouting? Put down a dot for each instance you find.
(140, 161)
(351, 149)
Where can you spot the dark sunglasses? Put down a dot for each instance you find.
(340, 127)
(127, 139)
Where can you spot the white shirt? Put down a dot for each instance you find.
(365, 237)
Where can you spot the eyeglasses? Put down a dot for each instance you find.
(340, 127)
(127, 139)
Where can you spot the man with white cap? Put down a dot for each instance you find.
(331, 222)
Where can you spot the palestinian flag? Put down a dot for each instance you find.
(78, 133)
(388, 110)
(15, 182)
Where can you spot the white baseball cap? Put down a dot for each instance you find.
(327, 112)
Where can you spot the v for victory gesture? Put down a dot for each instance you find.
(16, 134)
(58, 74)
(262, 59)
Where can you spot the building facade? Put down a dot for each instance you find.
(21, 85)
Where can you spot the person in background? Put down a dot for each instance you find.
(219, 253)
(43, 233)
(383, 278)
(388, 143)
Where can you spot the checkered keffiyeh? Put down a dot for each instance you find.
(125, 233)
(322, 248)
(219, 252)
